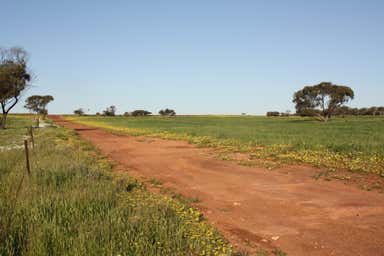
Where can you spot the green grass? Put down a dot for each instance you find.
(358, 140)
(73, 204)
(14, 134)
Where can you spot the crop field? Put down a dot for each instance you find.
(73, 204)
(352, 143)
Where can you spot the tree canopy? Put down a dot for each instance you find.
(140, 112)
(110, 111)
(167, 112)
(14, 78)
(38, 103)
(79, 111)
(322, 100)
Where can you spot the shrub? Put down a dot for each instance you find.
(167, 112)
(140, 112)
(273, 113)
(79, 112)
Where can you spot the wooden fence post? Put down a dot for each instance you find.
(30, 130)
(27, 157)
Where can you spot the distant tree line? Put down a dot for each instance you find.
(139, 112)
(277, 113)
(371, 111)
(341, 111)
(111, 111)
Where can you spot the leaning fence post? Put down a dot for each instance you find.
(27, 157)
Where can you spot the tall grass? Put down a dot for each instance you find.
(15, 131)
(73, 204)
(355, 143)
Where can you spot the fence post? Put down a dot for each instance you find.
(27, 157)
(30, 130)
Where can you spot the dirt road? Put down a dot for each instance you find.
(253, 206)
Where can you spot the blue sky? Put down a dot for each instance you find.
(198, 57)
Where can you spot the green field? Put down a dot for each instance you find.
(73, 204)
(354, 143)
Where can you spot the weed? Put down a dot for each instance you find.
(324, 173)
(279, 252)
(262, 253)
(155, 182)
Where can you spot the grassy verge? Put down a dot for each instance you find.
(14, 133)
(73, 204)
(355, 144)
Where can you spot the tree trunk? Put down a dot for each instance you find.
(37, 122)
(6, 111)
(322, 118)
(3, 121)
(327, 116)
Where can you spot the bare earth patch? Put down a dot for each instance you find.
(290, 207)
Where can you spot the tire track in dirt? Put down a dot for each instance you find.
(252, 206)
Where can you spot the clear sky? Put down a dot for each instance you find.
(198, 57)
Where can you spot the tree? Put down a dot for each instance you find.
(167, 112)
(322, 100)
(110, 111)
(140, 113)
(273, 113)
(38, 104)
(380, 111)
(14, 78)
(79, 112)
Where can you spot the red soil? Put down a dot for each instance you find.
(252, 206)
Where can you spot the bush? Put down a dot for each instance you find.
(167, 112)
(79, 112)
(140, 112)
(273, 113)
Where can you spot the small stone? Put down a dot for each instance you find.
(274, 238)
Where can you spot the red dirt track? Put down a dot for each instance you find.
(252, 206)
